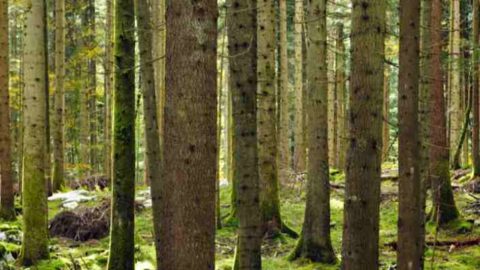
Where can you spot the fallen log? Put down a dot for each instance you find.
(445, 243)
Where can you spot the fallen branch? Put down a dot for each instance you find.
(446, 243)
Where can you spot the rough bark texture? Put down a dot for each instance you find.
(456, 115)
(341, 90)
(266, 118)
(362, 189)
(242, 48)
(409, 251)
(315, 243)
(475, 87)
(35, 234)
(444, 209)
(299, 158)
(386, 114)
(7, 210)
(284, 156)
(108, 66)
(423, 111)
(187, 201)
(59, 104)
(123, 162)
(92, 87)
(152, 139)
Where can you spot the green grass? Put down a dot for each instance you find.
(93, 254)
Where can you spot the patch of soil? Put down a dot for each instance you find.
(92, 182)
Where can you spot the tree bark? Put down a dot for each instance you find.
(152, 138)
(34, 199)
(444, 209)
(315, 242)
(362, 189)
(242, 48)
(59, 115)
(187, 201)
(475, 87)
(300, 149)
(284, 161)
(456, 115)
(386, 114)
(123, 162)
(7, 208)
(341, 79)
(409, 253)
(109, 85)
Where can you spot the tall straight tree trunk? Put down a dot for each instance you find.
(123, 162)
(92, 85)
(187, 201)
(59, 115)
(242, 50)
(409, 252)
(107, 167)
(386, 113)
(266, 118)
(456, 116)
(475, 87)
(34, 199)
(48, 156)
(152, 141)
(362, 187)
(7, 209)
(315, 243)
(423, 111)
(444, 209)
(299, 158)
(341, 79)
(159, 33)
(284, 157)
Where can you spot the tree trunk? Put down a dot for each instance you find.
(475, 86)
(35, 233)
(158, 22)
(444, 209)
(386, 114)
(362, 189)
(107, 167)
(315, 243)
(409, 252)
(187, 201)
(59, 115)
(284, 161)
(266, 118)
(242, 50)
(341, 79)
(123, 163)
(456, 116)
(300, 149)
(7, 208)
(423, 111)
(153, 167)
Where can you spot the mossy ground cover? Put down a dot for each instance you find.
(66, 254)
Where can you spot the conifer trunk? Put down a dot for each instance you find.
(35, 233)
(187, 201)
(284, 157)
(242, 49)
(409, 252)
(59, 114)
(386, 114)
(444, 209)
(300, 149)
(123, 162)
(107, 167)
(475, 87)
(315, 243)
(341, 79)
(7, 210)
(362, 189)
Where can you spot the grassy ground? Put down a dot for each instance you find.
(93, 254)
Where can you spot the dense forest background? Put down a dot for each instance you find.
(239, 134)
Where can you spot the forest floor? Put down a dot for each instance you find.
(68, 254)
